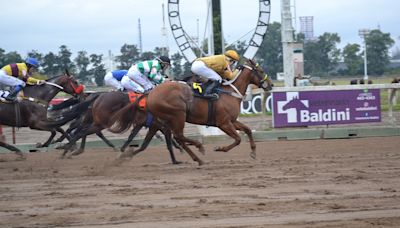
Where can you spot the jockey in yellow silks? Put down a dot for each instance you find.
(214, 68)
(18, 75)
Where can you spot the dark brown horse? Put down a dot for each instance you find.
(98, 118)
(31, 110)
(174, 104)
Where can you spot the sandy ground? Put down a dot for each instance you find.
(312, 183)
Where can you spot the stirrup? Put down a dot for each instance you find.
(10, 98)
(211, 96)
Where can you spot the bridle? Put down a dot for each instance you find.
(260, 75)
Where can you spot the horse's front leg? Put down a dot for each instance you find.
(49, 140)
(241, 127)
(230, 130)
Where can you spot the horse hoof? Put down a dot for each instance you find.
(121, 156)
(21, 158)
(176, 162)
(202, 150)
(38, 145)
(253, 155)
(200, 162)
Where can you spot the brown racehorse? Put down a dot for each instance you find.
(31, 110)
(98, 118)
(174, 104)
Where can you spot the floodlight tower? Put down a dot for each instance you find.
(363, 33)
(287, 43)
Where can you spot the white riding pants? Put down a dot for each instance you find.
(200, 68)
(10, 80)
(138, 81)
(111, 81)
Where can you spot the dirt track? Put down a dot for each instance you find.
(315, 183)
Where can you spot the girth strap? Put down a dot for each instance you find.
(211, 117)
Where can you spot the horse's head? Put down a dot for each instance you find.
(260, 78)
(69, 84)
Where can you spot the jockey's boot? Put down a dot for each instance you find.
(13, 95)
(209, 91)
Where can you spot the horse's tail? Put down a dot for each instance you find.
(123, 119)
(71, 114)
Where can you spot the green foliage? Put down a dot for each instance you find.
(353, 59)
(129, 55)
(322, 56)
(378, 45)
(176, 65)
(98, 71)
(64, 60)
(270, 53)
(82, 62)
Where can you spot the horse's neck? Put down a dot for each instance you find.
(42, 92)
(242, 81)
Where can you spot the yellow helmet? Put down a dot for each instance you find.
(232, 54)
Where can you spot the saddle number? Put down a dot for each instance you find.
(198, 87)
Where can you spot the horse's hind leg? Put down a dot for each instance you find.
(241, 127)
(13, 148)
(168, 139)
(100, 135)
(132, 135)
(181, 141)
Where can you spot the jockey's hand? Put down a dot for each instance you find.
(40, 82)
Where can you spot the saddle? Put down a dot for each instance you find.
(204, 89)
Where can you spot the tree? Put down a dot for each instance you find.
(353, 59)
(64, 60)
(82, 61)
(50, 64)
(129, 55)
(2, 57)
(378, 45)
(98, 71)
(147, 56)
(177, 65)
(322, 56)
(270, 53)
(12, 57)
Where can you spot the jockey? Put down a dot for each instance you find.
(215, 68)
(18, 74)
(141, 76)
(114, 78)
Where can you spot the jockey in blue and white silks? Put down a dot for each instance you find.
(114, 78)
(142, 76)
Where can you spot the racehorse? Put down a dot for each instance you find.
(97, 118)
(31, 110)
(174, 104)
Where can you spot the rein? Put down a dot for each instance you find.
(55, 85)
(237, 93)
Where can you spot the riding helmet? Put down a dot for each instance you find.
(232, 54)
(164, 59)
(32, 61)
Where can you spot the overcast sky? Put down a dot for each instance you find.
(97, 26)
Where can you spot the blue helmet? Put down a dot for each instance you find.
(32, 61)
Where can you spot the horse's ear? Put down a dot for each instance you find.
(252, 62)
(67, 72)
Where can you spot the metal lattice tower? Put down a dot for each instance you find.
(307, 27)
